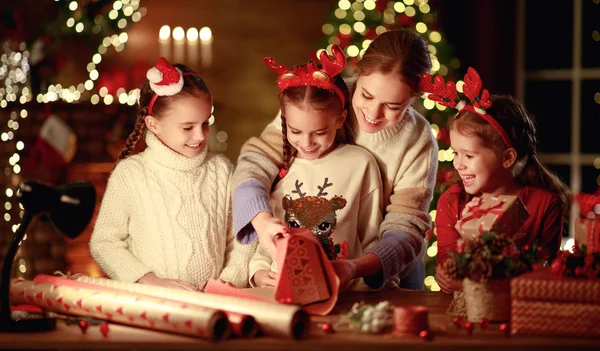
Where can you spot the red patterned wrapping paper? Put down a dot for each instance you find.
(88, 300)
(496, 213)
(542, 285)
(555, 318)
(274, 319)
(587, 231)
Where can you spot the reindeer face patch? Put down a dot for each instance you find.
(316, 213)
(313, 212)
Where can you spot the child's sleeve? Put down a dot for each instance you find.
(446, 217)
(108, 244)
(552, 226)
(237, 255)
(260, 260)
(257, 166)
(371, 206)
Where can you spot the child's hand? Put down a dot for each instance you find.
(446, 284)
(345, 270)
(476, 201)
(267, 228)
(263, 278)
(152, 279)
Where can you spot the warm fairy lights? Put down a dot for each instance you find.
(14, 73)
(83, 91)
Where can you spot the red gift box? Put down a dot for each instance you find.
(555, 318)
(542, 285)
(546, 304)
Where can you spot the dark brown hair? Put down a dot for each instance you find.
(318, 99)
(520, 127)
(193, 86)
(400, 51)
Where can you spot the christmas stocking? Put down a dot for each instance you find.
(54, 148)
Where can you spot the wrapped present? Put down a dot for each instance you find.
(587, 228)
(543, 303)
(555, 318)
(587, 232)
(496, 213)
(88, 300)
(542, 285)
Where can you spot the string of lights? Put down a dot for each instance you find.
(15, 70)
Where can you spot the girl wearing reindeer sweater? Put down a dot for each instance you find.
(329, 186)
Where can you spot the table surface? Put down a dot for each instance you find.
(446, 336)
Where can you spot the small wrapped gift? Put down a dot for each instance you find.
(587, 228)
(496, 213)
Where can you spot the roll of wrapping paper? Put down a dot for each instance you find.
(274, 319)
(241, 325)
(83, 299)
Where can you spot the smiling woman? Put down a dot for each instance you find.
(382, 121)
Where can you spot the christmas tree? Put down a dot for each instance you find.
(353, 24)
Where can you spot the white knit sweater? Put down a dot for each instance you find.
(169, 214)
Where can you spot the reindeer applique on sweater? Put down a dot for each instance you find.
(318, 214)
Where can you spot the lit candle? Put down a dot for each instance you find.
(164, 42)
(206, 39)
(179, 45)
(192, 46)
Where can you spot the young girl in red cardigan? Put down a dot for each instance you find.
(494, 143)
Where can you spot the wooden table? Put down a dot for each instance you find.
(446, 336)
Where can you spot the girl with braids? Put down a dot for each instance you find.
(495, 152)
(382, 121)
(328, 185)
(165, 216)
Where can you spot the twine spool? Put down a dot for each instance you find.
(410, 320)
(489, 300)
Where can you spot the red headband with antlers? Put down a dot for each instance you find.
(447, 95)
(310, 75)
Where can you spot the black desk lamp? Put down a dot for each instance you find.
(69, 208)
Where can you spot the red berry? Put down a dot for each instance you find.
(83, 325)
(424, 334)
(484, 323)
(327, 328)
(104, 329)
(469, 327)
(504, 327)
(458, 321)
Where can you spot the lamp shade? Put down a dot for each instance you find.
(70, 207)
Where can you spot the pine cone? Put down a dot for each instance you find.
(451, 269)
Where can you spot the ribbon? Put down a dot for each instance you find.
(477, 212)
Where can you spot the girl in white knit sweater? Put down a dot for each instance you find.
(165, 217)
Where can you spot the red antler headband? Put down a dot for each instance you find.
(165, 80)
(310, 75)
(447, 95)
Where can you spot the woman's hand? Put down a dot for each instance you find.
(263, 278)
(345, 270)
(446, 284)
(268, 228)
(152, 279)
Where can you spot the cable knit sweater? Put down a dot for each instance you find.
(169, 214)
(407, 157)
